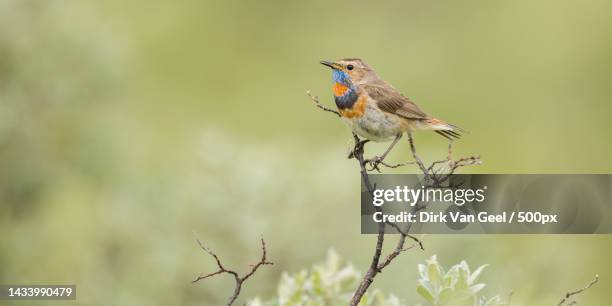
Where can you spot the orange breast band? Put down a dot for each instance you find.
(340, 89)
(356, 111)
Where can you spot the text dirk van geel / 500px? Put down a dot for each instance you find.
(456, 196)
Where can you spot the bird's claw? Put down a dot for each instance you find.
(374, 162)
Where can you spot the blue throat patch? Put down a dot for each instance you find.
(350, 97)
(341, 77)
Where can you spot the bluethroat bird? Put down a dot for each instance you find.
(377, 111)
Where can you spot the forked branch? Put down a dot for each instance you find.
(239, 280)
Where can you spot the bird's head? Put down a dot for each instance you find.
(349, 71)
(348, 74)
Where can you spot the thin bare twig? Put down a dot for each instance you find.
(239, 280)
(318, 104)
(415, 239)
(416, 157)
(439, 175)
(572, 293)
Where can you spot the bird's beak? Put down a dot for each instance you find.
(329, 64)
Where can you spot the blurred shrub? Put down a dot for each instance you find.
(332, 283)
(456, 287)
(326, 284)
(55, 80)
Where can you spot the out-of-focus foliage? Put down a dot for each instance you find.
(54, 86)
(333, 283)
(328, 284)
(455, 287)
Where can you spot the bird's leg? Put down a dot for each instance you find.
(376, 160)
(397, 138)
(359, 144)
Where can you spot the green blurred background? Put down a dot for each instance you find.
(127, 126)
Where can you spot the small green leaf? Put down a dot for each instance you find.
(423, 271)
(421, 290)
(433, 272)
(445, 296)
(447, 282)
(475, 274)
(476, 288)
(333, 260)
(462, 279)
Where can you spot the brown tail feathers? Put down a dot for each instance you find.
(446, 130)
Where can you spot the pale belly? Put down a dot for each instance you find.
(376, 125)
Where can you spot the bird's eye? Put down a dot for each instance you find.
(350, 67)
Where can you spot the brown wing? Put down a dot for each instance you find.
(390, 100)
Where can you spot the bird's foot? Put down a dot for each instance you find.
(374, 162)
